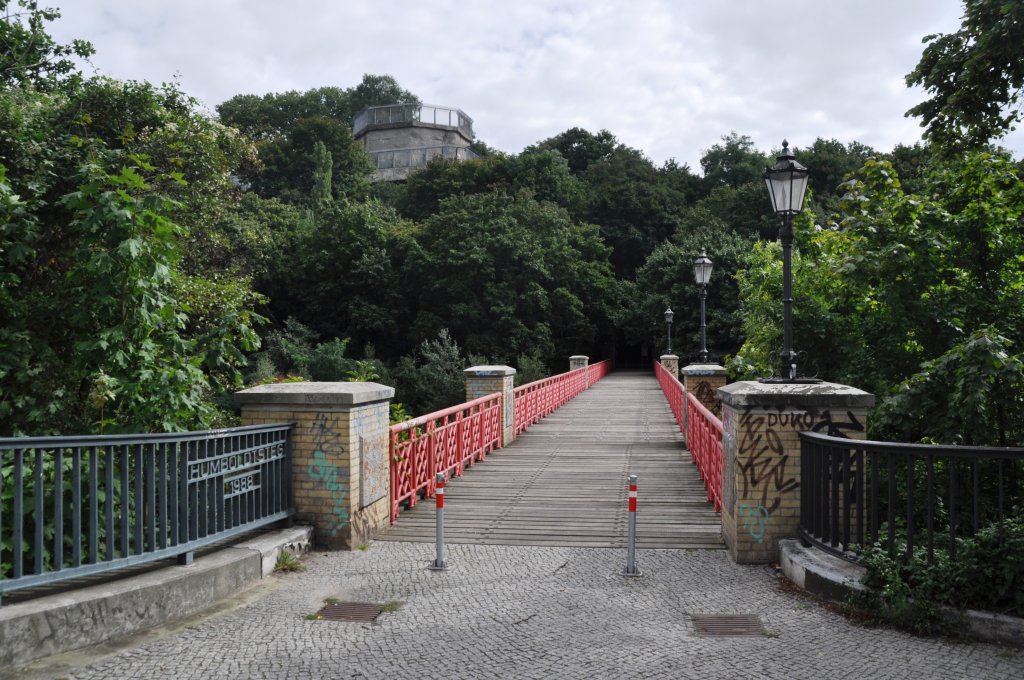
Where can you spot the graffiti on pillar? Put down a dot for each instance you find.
(834, 428)
(763, 465)
(327, 448)
(707, 395)
(763, 461)
(755, 520)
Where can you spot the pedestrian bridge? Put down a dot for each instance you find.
(562, 482)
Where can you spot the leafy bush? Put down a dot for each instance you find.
(988, 573)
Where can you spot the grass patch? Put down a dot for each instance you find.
(287, 562)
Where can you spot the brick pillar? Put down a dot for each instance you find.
(580, 361)
(703, 380)
(761, 456)
(671, 364)
(484, 380)
(340, 467)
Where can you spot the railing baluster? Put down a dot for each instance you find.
(162, 497)
(847, 497)
(19, 511)
(94, 506)
(139, 502)
(76, 507)
(150, 482)
(953, 484)
(108, 505)
(976, 514)
(860, 495)
(38, 542)
(930, 492)
(891, 506)
(875, 520)
(126, 549)
(909, 462)
(58, 509)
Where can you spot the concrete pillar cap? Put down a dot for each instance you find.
(489, 371)
(669, 356)
(315, 394)
(703, 369)
(579, 356)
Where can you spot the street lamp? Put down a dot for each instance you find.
(787, 183)
(702, 274)
(668, 320)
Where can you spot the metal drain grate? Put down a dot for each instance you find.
(356, 612)
(728, 625)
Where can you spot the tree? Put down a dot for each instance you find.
(109, 322)
(508, 275)
(28, 55)
(898, 280)
(579, 147)
(733, 162)
(974, 77)
(666, 279)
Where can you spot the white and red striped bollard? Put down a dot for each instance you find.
(631, 568)
(439, 564)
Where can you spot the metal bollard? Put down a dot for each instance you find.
(439, 564)
(631, 568)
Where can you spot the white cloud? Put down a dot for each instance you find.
(668, 77)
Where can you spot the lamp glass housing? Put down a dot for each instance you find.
(787, 183)
(669, 314)
(702, 267)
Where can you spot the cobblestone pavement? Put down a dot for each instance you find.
(533, 612)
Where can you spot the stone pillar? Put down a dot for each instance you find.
(671, 364)
(703, 381)
(761, 456)
(340, 461)
(484, 380)
(580, 361)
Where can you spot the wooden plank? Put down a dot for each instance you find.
(563, 482)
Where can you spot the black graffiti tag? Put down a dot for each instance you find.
(764, 462)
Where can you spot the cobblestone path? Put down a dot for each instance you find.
(536, 612)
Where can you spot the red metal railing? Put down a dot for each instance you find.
(444, 441)
(703, 432)
(533, 401)
(599, 370)
(704, 440)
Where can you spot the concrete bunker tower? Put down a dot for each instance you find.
(401, 138)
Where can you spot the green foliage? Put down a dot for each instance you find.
(987, 574)
(974, 76)
(287, 562)
(666, 279)
(29, 55)
(273, 115)
(972, 395)
(899, 279)
(432, 379)
(508, 275)
(529, 368)
(734, 162)
(348, 284)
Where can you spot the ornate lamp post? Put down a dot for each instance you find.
(668, 320)
(787, 184)
(702, 274)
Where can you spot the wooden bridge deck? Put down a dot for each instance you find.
(563, 481)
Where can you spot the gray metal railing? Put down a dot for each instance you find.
(855, 493)
(418, 157)
(413, 113)
(75, 506)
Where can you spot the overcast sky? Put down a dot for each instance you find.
(667, 77)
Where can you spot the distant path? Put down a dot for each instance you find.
(563, 481)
